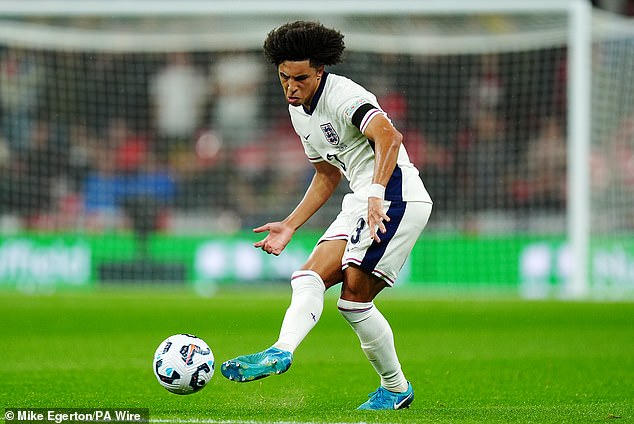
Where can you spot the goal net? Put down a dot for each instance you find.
(119, 119)
(611, 159)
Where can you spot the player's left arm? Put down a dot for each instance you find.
(387, 142)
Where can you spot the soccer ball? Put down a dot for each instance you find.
(183, 364)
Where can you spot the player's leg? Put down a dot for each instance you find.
(376, 337)
(321, 271)
(370, 267)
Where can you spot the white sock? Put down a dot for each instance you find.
(377, 341)
(307, 304)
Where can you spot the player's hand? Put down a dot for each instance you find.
(376, 218)
(277, 239)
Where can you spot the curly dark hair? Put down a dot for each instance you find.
(304, 40)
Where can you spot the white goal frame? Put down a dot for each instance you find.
(579, 42)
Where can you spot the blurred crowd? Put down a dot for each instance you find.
(203, 140)
(85, 136)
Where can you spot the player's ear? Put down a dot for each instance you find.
(320, 71)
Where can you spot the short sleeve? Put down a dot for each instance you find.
(360, 112)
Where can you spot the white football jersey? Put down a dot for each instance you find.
(333, 131)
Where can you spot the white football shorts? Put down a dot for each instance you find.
(384, 259)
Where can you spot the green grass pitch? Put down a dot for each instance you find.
(470, 361)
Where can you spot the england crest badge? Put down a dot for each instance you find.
(329, 132)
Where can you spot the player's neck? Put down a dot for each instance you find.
(311, 103)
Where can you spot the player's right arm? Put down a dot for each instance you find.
(322, 186)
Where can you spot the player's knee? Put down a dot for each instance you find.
(355, 294)
(330, 276)
(361, 286)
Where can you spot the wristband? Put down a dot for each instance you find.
(376, 190)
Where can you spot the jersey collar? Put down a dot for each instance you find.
(317, 96)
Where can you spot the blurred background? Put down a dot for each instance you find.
(141, 146)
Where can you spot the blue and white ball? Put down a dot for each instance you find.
(183, 364)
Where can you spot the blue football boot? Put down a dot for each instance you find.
(383, 399)
(257, 365)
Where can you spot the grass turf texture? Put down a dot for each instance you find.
(469, 361)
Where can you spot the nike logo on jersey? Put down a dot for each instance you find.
(306, 137)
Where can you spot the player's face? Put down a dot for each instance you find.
(299, 81)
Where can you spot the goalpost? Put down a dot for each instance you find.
(450, 73)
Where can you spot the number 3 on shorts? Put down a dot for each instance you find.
(356, 236)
